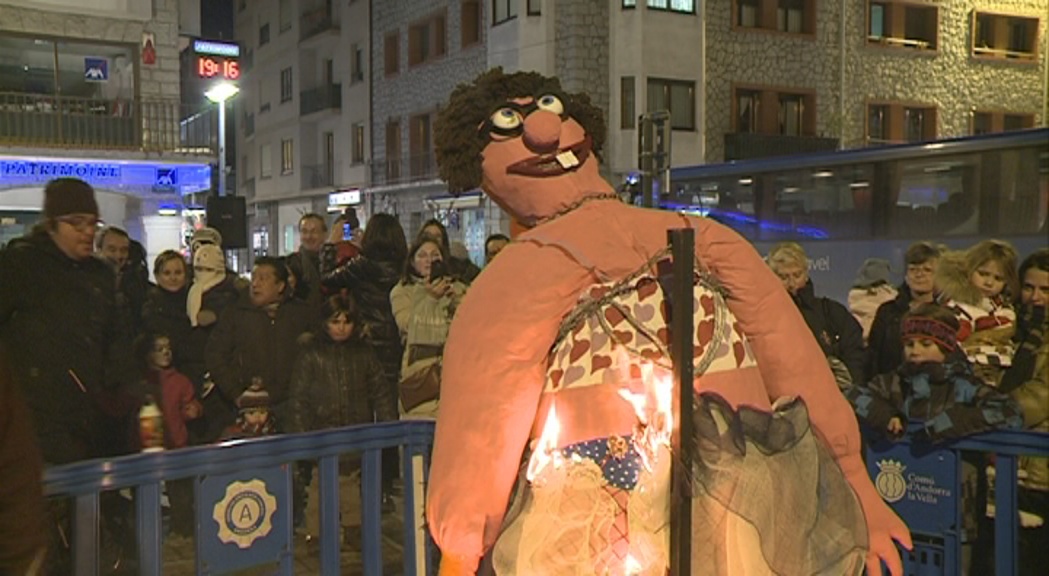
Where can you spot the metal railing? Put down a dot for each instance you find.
(55, 121)
(274, 458)
(315, 22)
(320, 98)
(403, 170)
(922, 483)
(318, 176)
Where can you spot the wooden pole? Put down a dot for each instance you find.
(682, 245)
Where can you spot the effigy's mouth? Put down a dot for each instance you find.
(554, 163)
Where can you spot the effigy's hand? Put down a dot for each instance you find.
(884, 529)
(456, 566)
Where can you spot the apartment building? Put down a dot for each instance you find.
(789, 75)
(91, 90)
(421, 50)
(303, 113)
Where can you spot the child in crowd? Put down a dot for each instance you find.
(978, 286)
(254, 419)
(338, 381)
(936, 385)
(178, 405)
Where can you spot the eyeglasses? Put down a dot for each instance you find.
(80, 223)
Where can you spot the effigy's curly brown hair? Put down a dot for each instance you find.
(458, 144)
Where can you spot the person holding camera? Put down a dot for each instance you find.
(424, 302)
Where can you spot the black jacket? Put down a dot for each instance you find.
(60, 323)
(338, 384)
(165, 313)
(247, 343)
(836, 330)
(884, 344)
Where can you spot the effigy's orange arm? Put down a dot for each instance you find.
(493, 375)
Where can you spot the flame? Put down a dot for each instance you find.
(546, 452)
(653, 406)
(631, 567)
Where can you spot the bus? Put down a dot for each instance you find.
(844, 207)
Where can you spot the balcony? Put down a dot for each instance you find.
(403, 170)
(321, 98)
(743, 145)
(53, 121)
(316, 22)
(318, 176)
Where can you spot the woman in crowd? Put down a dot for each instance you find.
(462, 269)
(164, 311)
(423, 304)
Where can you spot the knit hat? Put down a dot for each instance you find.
(254, 397)
(874, 271)
(203, 236)
(64, 196)
(944, 335)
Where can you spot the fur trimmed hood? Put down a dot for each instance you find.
(952, 281)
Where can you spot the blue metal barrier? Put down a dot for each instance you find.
(276, 456)
(928, 498)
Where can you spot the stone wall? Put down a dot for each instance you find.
(581, 49)
(160, 80)
(424, 87)
(948, 78)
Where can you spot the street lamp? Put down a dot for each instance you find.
(219, 94)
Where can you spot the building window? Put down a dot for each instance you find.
(287, 87)
(391, 53)
(627, 102)
(427, 40)
(265, 161)
(683, 6)
(629, 4)
(1004, 36)
(503, 10)
(773, 110)
(894, 123)
(419, 146)
(748, 105)
(791, 16)
(470, 14)
(393, 150)
(287, 156)
(264, 34)
(678, 96)
(357, 147)
(902, 25)
(989, 122)
(535, 7)
(357, 64)
(287, 10)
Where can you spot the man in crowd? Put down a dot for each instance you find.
(493, 245)
(313, 232)
(116, 248)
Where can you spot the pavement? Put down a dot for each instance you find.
(179, 553)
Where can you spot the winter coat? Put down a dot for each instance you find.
(837, 332)
(23, 532)
(1027, 381)
(423, 320)
(60, 323)
(338, 384)
(947, 397)
(165, 313)
(310, 264)
(176, 392)
(215, 300)
(247, 342)
(884, 343)
(864, 304)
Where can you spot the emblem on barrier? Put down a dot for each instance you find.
(890, 481)
(244, 514)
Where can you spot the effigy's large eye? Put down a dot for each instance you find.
(506, 119)
(550, 103)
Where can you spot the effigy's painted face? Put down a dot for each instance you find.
(537, 159)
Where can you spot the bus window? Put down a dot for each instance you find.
(1022, 189)
(936, 198)
(820, 204)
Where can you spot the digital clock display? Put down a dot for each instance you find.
(218, 67)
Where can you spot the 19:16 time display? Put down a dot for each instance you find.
(211, 67)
